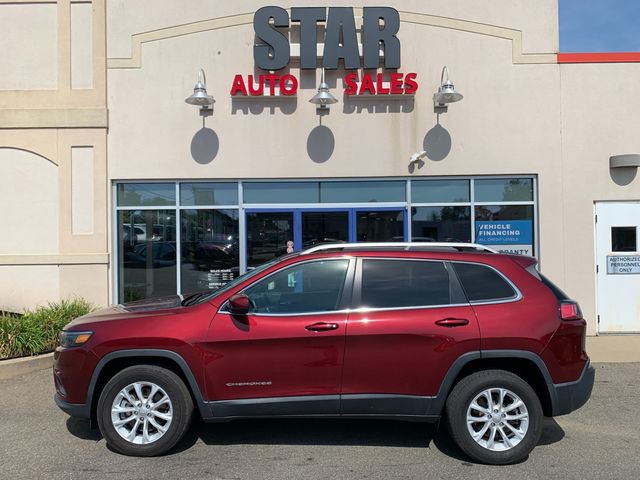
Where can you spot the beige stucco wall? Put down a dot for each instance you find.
(508, 123)
(52, 100)
(596, 124)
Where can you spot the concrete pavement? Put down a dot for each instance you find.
(600, 441)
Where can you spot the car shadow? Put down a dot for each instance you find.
(321, 432)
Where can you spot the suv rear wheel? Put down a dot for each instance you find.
(144, 410)
(495, 417)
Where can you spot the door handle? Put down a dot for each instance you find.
(452, 322)
(321, 327)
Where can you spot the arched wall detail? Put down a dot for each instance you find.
(515, 36)
(29, 190)
(22, 149)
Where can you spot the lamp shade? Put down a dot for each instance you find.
(447, 93)
(324, 96)
(199, 97)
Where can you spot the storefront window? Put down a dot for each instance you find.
(380, 226)
(441, 224)
(146, 254)
(324, 227)
(507, 228)
(222, 235)
(269, 235)
(440, 191)
(210, 249)
(504, 190)
(359, 192)
(192, 194)
(146, 194)
(281, 192)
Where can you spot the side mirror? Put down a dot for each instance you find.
(239, 304)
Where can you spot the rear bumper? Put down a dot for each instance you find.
(76, 410)
(573, 395)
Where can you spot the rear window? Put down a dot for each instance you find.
(482, 283)
(404, 283)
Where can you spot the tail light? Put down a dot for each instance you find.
(570, 311)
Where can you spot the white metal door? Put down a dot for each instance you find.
(618, 266)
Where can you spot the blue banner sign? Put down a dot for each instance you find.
(504, 232)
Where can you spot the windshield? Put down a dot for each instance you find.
(240, 279)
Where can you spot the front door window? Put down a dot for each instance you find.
(309, 287)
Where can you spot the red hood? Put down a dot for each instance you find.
(141, 308)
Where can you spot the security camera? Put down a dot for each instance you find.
(416, 157)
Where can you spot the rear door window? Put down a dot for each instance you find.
(482, 283)
(404, 283)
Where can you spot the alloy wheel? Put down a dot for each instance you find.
(141, 413)
(497, 419)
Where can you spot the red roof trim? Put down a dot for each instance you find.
(609, 57)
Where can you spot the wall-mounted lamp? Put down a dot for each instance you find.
(323, 98)
(446, 92)
(199, 97)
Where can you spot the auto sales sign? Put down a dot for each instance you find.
(377, 47)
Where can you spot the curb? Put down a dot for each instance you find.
(20, 366)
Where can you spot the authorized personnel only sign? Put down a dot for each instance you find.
(623, 264)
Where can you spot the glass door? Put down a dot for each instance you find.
(380, 225)
(324, 227)
(272, 233)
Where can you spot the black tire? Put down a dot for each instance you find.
(466, 391)
(175, 389)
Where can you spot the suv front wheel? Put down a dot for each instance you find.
(495, 417)
(144, 411)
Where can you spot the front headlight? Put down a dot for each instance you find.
(73, 339)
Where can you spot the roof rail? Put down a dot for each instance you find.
(406, 245)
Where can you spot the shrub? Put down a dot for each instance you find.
(36, 331)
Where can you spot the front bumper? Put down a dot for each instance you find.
(571, 396)
(76, 410)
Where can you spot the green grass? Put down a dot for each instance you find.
(36, 331)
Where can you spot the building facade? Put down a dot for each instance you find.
(115, 189)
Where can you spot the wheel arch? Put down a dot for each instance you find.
(117, 361)
(527, 365)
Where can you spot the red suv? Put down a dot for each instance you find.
(402, 331)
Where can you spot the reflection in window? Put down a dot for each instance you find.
(204, 193)
(404, 283)
(281, 192)
(380, 226)
(269, 235)
(504, 190)
(439, 191)
(146, 254)
(482, 283)
(504, 212)
(210, 249)
(324, 227)
(441, 224)
(310, 287)
(349, 192)
(146, 194)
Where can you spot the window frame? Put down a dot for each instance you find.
(242, 208)
(457, 295)
(515, 298)
(345, 294)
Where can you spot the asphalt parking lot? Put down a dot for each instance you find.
(602, 440)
